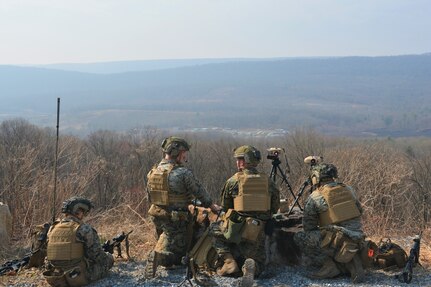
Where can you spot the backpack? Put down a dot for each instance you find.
(390, 254)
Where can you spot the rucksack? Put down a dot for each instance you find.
(390, 254)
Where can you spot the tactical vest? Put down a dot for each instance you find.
(341, 204)
(62, 243)
(253, 192)
(160, 192)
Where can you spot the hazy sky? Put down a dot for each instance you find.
(67, 31)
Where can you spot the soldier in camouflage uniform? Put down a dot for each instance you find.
(172, 187)
(252, 197)
(332, 233)
(75, 255)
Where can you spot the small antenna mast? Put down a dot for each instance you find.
(55, 162)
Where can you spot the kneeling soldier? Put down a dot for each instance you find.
(332, 235)
(172, 188)
(250, 198)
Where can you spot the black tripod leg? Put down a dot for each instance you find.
(186, 279)
(273, 173)
(289, 187)
(296, 202)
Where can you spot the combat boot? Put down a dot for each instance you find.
(151, 267)
(356, 270)
(248, 270)
(229, 267)
(328, 270)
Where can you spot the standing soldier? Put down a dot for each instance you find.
(332, 233)
(75, 255)
(172, 187)
(250, 198)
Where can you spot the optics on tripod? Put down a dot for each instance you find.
(312, 160)
(274, 152)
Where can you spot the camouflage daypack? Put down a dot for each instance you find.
(390, 254)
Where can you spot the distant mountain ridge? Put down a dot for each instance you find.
(142, 65)
(344, 95)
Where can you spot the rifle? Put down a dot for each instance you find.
(115, 242)
(11, 267)
(407, 275)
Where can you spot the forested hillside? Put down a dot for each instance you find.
(345, 96)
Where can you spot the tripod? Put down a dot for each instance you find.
(300, 193)
(273, 175)
(189, 271)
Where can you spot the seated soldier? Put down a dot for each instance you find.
(332, 226)
(75, 255)
(249, 199)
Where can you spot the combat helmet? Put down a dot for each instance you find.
(72, 205)
(173, 145)
(250, 154)
(323, 172)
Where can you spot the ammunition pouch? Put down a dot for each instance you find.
(74, 277)
(55, 279)
(77, 276)
(164, 213)
(252, 228)
(232, 226)
(339, 246)
(347, 251)
(236, 227)
(158, 212)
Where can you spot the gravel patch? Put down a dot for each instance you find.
(284, 276)
(131, 274)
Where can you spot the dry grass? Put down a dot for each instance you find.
(112, 222)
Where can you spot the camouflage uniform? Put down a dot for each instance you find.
(309, 240)
(172, 222)
(98, 262)
(245, 249)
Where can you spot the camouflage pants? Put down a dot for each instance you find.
(58, 272)
(172, 243)
(309, 244)
(100, 268)
(245, 249)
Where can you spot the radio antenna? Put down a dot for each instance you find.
(55, 162)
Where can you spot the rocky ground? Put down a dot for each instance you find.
(131, 274)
